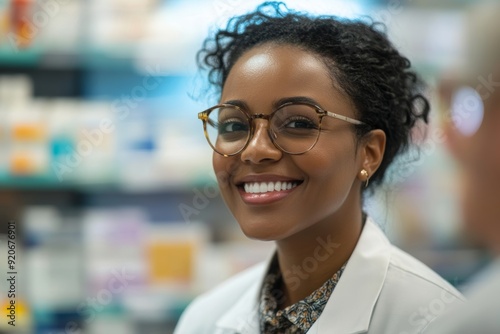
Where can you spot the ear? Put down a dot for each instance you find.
(372, 153)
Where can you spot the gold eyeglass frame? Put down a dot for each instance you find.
(203, 116)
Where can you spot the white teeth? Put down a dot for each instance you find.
(263, 187)
(270, 186)
(277, 186)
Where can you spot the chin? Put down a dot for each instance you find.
(260, 232)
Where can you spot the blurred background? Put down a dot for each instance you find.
(106, 177)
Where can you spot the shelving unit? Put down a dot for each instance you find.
(152, 183)
(145, 176)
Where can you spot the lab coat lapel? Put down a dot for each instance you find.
(243, 318)
(351, 304)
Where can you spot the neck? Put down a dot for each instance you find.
(308, 260)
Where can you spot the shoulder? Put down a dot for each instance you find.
(415, 293)
(405, 272)
(480, 314)
(403, 265)
(203, 313)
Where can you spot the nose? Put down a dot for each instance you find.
(260, 148)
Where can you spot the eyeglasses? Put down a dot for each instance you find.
(294, 128)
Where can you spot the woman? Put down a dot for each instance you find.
(312, 112)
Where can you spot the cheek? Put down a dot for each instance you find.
(221, 166)
(217, 163)
(330, 176)
(332, 164)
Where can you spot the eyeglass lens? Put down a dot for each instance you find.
(294, 128)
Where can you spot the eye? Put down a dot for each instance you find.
(299, 122)
(296, 118)
(232, 125)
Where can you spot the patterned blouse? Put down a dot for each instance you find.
(297, 318)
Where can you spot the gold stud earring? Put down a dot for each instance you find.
(364, 175)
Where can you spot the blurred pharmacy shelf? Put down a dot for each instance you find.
(142, 139)
(118, 266)
(104, 166)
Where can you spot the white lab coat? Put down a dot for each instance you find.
(382, 290)
(481, 314)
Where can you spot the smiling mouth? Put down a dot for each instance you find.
(265, 187)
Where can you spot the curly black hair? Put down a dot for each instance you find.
(386, 93)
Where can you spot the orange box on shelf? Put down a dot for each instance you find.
(28, 132)
(172, 252)
(171, 261)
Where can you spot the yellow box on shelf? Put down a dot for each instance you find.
(172, 251)
(17, 315)
(28, 132)
(171, 261)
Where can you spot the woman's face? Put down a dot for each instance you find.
(325, 189)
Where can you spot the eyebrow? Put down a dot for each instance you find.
(292, 99)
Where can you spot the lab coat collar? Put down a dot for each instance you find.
(243, 317)
(351, 304)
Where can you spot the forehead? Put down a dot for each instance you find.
(269, 72)
(270, 56)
